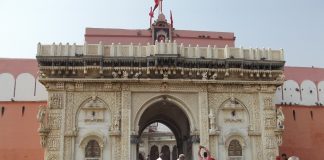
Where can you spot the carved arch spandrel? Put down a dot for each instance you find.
(86, 102)
(241, 106)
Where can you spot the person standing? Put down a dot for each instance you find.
(284, 156)
(160, 156)
(206, 154)
(181, 157)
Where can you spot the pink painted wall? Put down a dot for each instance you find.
(19, 139)
(16, 66)
(125, 36)
(304, 135)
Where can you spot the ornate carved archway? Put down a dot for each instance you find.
(166, 111)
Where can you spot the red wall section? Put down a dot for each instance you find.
(299, 74)
(16, 66)
(304, 136)
(128, 36)
(19, 139)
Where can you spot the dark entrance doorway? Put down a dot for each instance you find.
(172, 116)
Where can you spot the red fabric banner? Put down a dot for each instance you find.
(156, 4)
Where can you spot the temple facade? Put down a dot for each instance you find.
(102, 96)
(19, 107)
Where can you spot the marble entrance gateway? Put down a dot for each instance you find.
(102, 96)
(100, 101)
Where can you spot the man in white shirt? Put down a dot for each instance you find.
(181, 157)
(160, 156)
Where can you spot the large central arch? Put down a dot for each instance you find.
(165, 110)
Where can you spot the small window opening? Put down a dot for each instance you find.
(233, 113)
(93, 113)
(235, 149)
(2, 110)
(311, 113)
(22, 110)
(92, 150)
(294, 115)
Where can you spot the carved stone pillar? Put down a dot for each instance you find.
(195, 139)
(69, 141)
(256, 148)
(269, 125)
(116, 149)
(70, 132)
(125, 123)
(213, 143)
(135, 140)
(203, 117)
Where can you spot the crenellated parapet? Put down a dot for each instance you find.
(159, 48)
(159, 61)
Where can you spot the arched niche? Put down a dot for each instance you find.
(7, 86)
(308, 93)
(321, 92)
(232, 114)
(235, 139)
(93, 111)
(85, 141)
(166, 152)
(25, 87)
(93, 119)
(291, 92)
(154, 152)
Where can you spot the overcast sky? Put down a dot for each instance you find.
(295, 25)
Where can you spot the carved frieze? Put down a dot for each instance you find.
(79, 86)
(54, 120)
(268, 104)
(270, 123)
(271, 142)
(60, 85)
(52, 155)
(53, 143)
(56, 101)
(69, 116)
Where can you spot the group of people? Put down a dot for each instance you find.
(285, 157)
(206, 155)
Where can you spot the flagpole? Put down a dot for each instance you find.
(160, 7)
(151, 14)
(171, 19)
